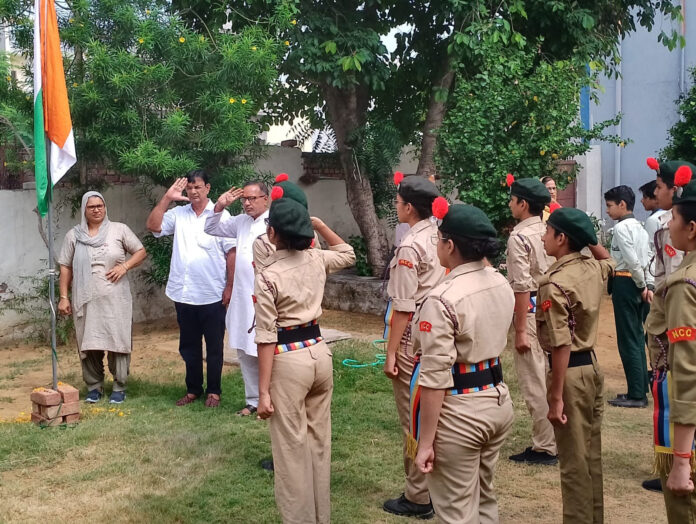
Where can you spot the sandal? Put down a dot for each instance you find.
(212, 401)
(247, 411)
(186, 399)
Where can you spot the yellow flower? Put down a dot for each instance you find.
(293, 22)
(120, 413)
(201, 38)
(554, 156)
(112, 410)
(622, 144)
(244, 101)
(75, 84)
(147, 11)
(253, 48)
(536, 98)
(287, 42)
(9, 78)
(232, 100)
(71, 20)
(141, 40)
(24, 161)
(542, 152)
(182, 39)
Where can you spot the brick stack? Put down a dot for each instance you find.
(52, 407)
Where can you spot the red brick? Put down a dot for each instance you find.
(35, 408)
(67, 408)
(38, 419)
(69, 393)
(45, 397)
(69, 419)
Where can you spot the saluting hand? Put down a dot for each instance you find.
(175, 192)
(229, 196)
(556, 415)
(425, 459)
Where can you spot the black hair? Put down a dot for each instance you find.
(293, 242)
(474, 249)
(648, 189)
(259, 183)
(687, 210)
(535, 208)
(573, 244)
(423, 206)
(546, 179)
(191, 176)
(666, 182)
(619, 193)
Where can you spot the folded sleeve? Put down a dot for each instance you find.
(681, 331)
(265, 308)
(337, 257)
(403, 279)
(518, 265)
(435, 333)
(552, 310)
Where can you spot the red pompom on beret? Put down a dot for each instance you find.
(509, 179)
(277, 192)
(653, 164)
(398, 177)
(682, 176)
(553, 206)
(440, 207)
(282, 177)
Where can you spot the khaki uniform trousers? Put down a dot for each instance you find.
(470, 433)
(532, 367)
(301, 387)
(93, 369)
(579, 444)
(680, 510)
(416, 485)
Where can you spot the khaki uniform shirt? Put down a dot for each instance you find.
(262, 249)
(581, 280)
(673, 320)
(463, 320)
(415, 268)
(667, 259)
(289, 289)
(525, 256)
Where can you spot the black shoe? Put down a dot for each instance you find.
(621, 396)
(405, 508)
(629, 403)
(93, 396)
(529, 456)
(653, 485)
(267, 464)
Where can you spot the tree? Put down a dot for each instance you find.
(682, 135)
(520, 116)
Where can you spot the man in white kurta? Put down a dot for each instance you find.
(245, 228)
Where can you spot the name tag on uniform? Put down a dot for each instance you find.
(425, 326)
(680, 334)
(407, 263)
(670, 250)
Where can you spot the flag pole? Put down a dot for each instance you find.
(51, 271)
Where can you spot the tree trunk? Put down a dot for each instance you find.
(437, 108)
(346, 112)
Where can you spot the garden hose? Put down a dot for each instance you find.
(380, 357)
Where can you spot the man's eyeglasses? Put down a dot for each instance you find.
(251, 200)
(98, 207)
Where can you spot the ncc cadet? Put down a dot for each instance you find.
(567, 319)
(413, 272)
(526, 263)
(295, 368)
(667, 258)
(458, 392)
(671, 330)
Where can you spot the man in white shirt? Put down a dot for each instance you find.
(244, 228)
(197, 281)
(652, 223)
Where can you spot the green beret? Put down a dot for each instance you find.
(575, 224)
(464, 220)
(531, 190)
(292, 191)
(685, 194)
(668, 169)
(418, 190)
(290, 218)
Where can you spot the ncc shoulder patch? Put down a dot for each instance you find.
(253, 298)
(680, 334)
(404, 262)
(425, 326)
(546, 305)
(670, 250)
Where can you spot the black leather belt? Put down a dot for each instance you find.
(476, 379)
(298, 334)
(577, 359)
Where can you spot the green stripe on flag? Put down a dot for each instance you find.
(40, 171)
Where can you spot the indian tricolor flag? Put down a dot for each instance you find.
(51, 108)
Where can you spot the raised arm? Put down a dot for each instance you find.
(173, 194)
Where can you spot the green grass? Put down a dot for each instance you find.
(160, 463)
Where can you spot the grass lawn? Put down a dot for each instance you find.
(150, 461)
